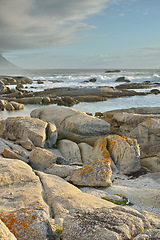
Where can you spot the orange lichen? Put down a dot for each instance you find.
(100, 145)
(21, 222)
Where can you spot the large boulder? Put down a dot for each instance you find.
(66, 197)
(116, 223)
(41, 159)
(96, 173)
(123, 121)
(69, 150)
(22, 207)
(147, 135)
(72, 124)
(21, 127)
(125, 153)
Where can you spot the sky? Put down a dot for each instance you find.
(60, 34)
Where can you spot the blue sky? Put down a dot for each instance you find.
(81, 34)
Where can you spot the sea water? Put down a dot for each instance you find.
(81, 78)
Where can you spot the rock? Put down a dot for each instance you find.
(17, 106)
(7, 80)
(62, 171)
(96, 173)
(92, 80)
(155, 91)
(3, 104)
(40, 81)
(144, 85)
(19, 86)
(66, 101)
(46, 100)
(125, 153)
(10, 107)
(26, 143)
(22, 208)
(12, 146)
(69, 150)
(113, 71)
(100, 151)
(41, 159)
(86, 152)
(122, 79)
(13, 154)
(148, 234)
(115, 223)
(152, 163)
(3, 88)
(5, 234)
(72, 124)
(30, 100)
(52, 135)
(68, 197)
(147, 135)
(123, 121)
(21, 127)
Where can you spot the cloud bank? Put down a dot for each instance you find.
(41, 23)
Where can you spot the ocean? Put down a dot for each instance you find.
(77, 78)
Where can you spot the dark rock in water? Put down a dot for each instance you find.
(155, 91)
(122, 79)
(112, 71)
(144, 85)
(92, 80)
(40, 82)
(19, 86)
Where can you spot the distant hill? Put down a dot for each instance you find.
(5, 64)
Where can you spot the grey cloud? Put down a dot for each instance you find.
(39, 23)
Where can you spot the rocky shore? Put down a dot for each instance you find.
(70, 176)
(66, 96)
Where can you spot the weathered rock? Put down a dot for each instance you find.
(86, 152)
(52, 135)
(5, 234)
(144, 85)
(122, 79)
(72, 124)
(9, 107)
(17, 106)
(30, 100)
(3, 104)
(69, 150)
(11, 145)
(124, 121)
(8, 80)
(147, 135)
(62, 171)
(116, 223)
(148, 234)
(100, 151)
(3, 88)
(19, 128)
(13, 154)
(41, 159)
(125, 153)
(22, 208)
(152, 163)
(96, 173)
(26, 143)
(61, 193)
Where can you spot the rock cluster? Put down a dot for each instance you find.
(57, 166)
